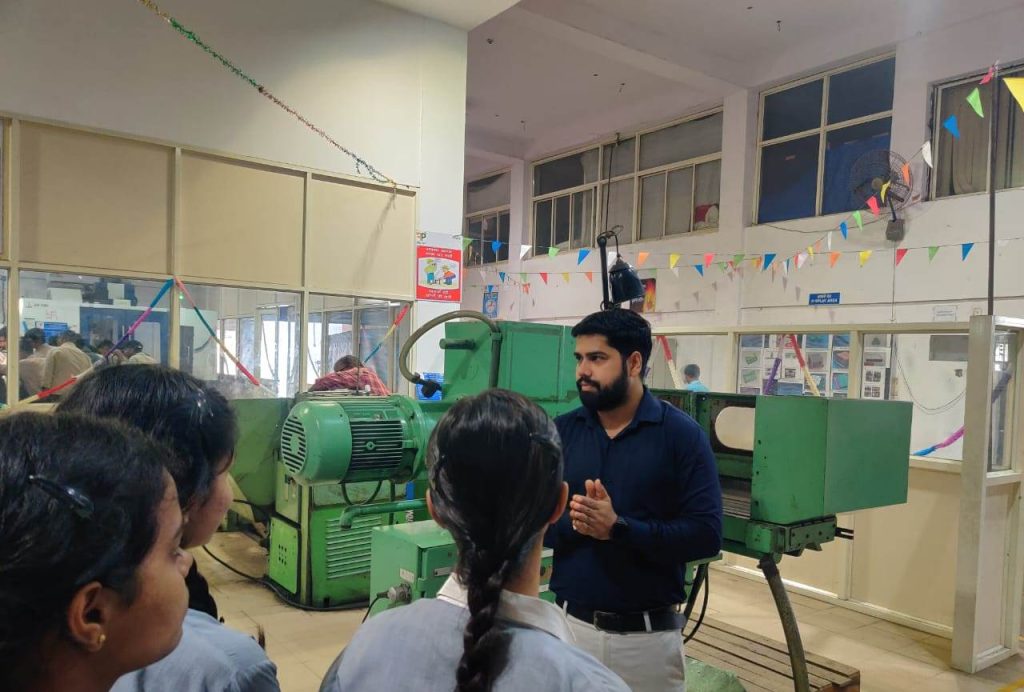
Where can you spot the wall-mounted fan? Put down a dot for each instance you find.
(870, 175)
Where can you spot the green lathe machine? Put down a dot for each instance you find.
(349, 471)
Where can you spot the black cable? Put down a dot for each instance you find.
(372, 603)
(255, 506)
(236, 571)
(376, 491)
(704, 606)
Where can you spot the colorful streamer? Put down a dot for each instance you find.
(391, 330)
(213, 335)
(803, 366)
(142, 318)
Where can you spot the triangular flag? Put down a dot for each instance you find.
(723, 266)
(590, 276)
(496, 246)
(757, 261)
(951, 124)
(699, 268)
(906, 173)
(932, 251)
(817, 246)
(845, 230)
(785, 267)
(466, 242)
(988, 76)
(544, 277)
(501, 275)
(552, 251)
(490, 287)
(885, 189)
(833, 258)
(801, 258)
(873, 205)
(926, 152)
(810, 250)
(857, 218)
(965, 250)
(900, 254)
(483, 275)
(830, 241)
(974, 98)
(768, 259)
(641, 257)
(737, 259)
(1016, 87)
(565, 276)
(673, 260)
(582, 256)
(865, 255)
(524, 250)
(675, 270)
(526, 287)
(732, 265)
(709, 257)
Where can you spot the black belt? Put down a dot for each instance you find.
(658, 620)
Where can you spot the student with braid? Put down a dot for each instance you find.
(496, 484)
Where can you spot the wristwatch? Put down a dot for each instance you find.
(620, 529)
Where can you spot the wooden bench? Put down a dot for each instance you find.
(761, 664)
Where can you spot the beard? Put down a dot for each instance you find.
(606, 397)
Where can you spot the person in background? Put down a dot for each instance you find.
(104, 347)
(496, 484)
(3, 347)
(92, 576)
(37, 337)
(64, 362)
(133, 351)
(88, 350)
(350, 373)
(198, 425)
(646, 501)
(30, 368)
(691, 375)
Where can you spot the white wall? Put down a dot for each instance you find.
(754, 297)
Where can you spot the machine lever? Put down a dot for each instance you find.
(844, 533)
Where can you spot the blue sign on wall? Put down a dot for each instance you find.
(823, 299)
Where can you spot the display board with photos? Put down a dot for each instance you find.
(876, 362)
(827, 357)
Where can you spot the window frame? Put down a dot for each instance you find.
(468, 218)
(822, 131)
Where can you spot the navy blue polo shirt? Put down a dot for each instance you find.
(661, 476)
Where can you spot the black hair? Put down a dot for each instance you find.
(3, 332)
(24, 347)
(495, 479)
(105, 343)
(347, 363)
(36, 336)
(133, 344)
(68, 336)
(194, 420)
(626, 332)
(692, 370)
(51, 547)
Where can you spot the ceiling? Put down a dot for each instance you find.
(465, 14)
(547, 75)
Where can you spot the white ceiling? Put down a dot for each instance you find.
(465, 14)
(532, 88)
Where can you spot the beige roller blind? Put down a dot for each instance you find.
(361, 240)
(89, 200)
(240, 221)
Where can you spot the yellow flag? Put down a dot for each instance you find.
(1016, 87)
(865, 255)
(565, 275)
(673, 260)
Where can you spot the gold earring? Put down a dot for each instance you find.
(103, 639)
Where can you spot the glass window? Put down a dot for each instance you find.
(563, 221)
(706, 351)
(652, 206)
(707, 191)
(1004, 358)
(542, 227)
(491, 192)
(473, 254)
(6, 350)
(789, 173)
(583, 219)
(861, 92)
(768, 364)
(791, 111)
(680, 210)
(843, 148)
(961, 165)
(569, 171)
(687, 140)
(267, 339)
(620, 157)
(618, 198)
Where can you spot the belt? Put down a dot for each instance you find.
(657, 620)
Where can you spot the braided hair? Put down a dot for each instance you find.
(495, 476)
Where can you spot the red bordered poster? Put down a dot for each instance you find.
(438, 274)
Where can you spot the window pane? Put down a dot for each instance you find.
(473, 253)
(373, 325)
(488, 193)
(621, 157)
(708, 190)
(315, 366)
(710, 353)
(793, 110)
(542, 227)
(681, 142)
(962, 164)
(503, 228)
(789, 180)
(827, 357)
(339, 333)
(843, 148)
(861, 92)
(652, 206)
(583, 219)
(1003, 401)
(562, 222)
(1010, 153)
(680, 201)
(619, 210)
(566, 172)
(489, 231)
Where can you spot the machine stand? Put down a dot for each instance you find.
(801, 682)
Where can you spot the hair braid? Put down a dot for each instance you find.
(485, 644)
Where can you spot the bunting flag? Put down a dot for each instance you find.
(699, 268)
(952, 125)
(641, 258)
(483, 275)
(544, 277)
(785, 267)
(466, 242)
(501, 275)
(757, 261)
(565, 275)
(673, 260)
(833, 258)
(932, 251)
(1016, 87)
(885, 189)
(723, 267)
(768, 259)
(524, 250)
(552, 251)
(709, 257)
(496, 246)
(965, 250)
(845, 230)
(974, 98)
(582, 256)
(988, 76)
(865, 255)
(526, 287)
(926, 152)
(906, 173)
(675, 270)
(830, 241)
(900, 254)
(810, 250)
(858, 219)
(817, 246)
(522, 278)
(590, 276)
(738, 259)
(732, 265)
(801, 259)
(873, 205)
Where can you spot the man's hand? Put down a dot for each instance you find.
(593, 515)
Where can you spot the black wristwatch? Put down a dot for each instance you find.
(620, 529)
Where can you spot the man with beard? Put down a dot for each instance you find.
(645, 500)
